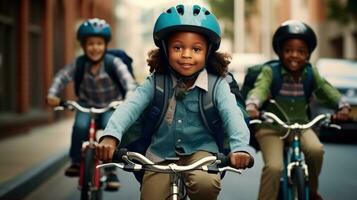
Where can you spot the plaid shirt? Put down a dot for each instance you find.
(95, 90)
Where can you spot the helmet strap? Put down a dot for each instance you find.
(163, 46)
(209, 51)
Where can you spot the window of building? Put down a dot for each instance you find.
(8, 78)
(35, 58)
(337, 47)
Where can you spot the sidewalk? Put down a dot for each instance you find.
(32, 156)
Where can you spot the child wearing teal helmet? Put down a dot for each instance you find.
(97, 88)
(187, 38)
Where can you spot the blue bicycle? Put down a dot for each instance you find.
(294, 182)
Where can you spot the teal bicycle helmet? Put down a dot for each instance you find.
(192, 18)
(94, 27)
(294, 29)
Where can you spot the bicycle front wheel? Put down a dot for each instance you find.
(299, 185)
(88, 171)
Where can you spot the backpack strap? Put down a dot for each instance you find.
(233, 85)
(277, 78)
(151, 119)
(79, 73)
(308, 82)
(209, 113)
(157, 109)
(110, 69)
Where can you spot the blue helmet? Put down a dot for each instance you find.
(94, 27)
(192, 18)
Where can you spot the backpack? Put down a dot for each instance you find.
(253, 72)
(251, 76)
(138, 137)
(108, 67)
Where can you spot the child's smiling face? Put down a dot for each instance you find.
(294, 54)
(94, 47)
(187, 52)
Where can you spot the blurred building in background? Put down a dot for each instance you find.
(334, 21)
(37, 38)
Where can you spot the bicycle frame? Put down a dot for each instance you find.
(293, 157)
(86, 147)
(90, 177)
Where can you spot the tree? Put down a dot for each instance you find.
(224, 10)
(342, 11)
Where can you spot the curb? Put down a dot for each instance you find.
(23, 184)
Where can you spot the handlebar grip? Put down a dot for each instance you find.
(118, 155)
(225, 160)
(63, 103)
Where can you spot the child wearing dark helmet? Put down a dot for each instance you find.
(293, 42)
(96, 89)
(187, 38)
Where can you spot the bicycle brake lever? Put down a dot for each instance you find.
(119, 165)
(58, 108)
(238, 171)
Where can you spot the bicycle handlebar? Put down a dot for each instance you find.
(271, 116)
(295, 125)
(210, 164)
(72, 105)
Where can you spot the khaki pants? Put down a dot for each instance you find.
(272, 150)
(199, 185)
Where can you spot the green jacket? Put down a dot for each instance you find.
(295, 107)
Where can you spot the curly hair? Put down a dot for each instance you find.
(217, 62)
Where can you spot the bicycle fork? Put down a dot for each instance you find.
(296, 159)
(86, 147)
(292, 158)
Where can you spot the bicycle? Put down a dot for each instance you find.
(90, 178)
(134, 162)
(294, 182)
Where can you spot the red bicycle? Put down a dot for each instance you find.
(90, 176)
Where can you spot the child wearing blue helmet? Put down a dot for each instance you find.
(187, 38)
(96, 89)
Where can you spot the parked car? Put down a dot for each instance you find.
(342, 74)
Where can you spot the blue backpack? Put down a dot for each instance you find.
(138, 137)
(108, 67)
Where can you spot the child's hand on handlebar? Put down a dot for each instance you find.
(253, 111)
(105, 149)
(240, 160)
(341, 115)
(53, 101)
